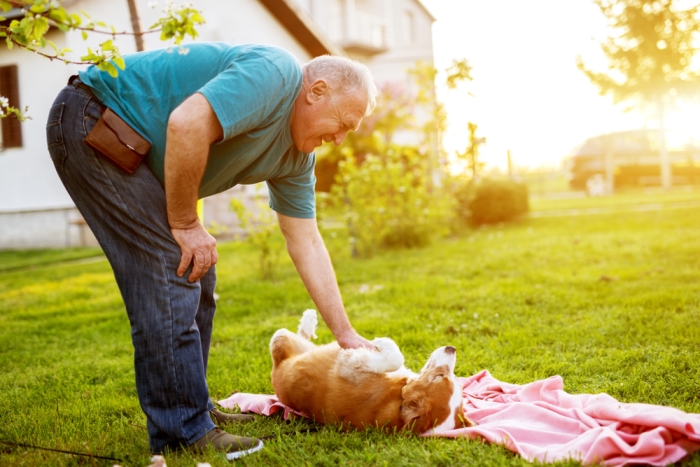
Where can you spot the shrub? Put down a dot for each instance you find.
(388, 201)
(494, 201)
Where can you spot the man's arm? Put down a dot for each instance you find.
(192, 128)
(309, 254)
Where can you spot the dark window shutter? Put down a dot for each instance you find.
(11, 127)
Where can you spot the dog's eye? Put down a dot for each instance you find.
(438, 376)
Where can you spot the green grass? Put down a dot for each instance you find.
(624, 199)
(524, 301)
(25, 259)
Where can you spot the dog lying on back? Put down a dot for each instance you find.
(362, 387)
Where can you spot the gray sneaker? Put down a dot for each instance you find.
(221, 418)
(233, 447)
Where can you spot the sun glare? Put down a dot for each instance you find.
(528, 96)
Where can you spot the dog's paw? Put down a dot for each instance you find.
(307, 325)
(389, 358)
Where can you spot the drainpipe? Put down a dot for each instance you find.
(136, 25)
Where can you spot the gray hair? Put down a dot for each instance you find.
(344, 75)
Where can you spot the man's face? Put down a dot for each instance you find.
(320, 116)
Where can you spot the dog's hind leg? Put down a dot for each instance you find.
(285, 344)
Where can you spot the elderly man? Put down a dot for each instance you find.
(217, 116)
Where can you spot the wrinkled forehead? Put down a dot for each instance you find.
(354, 103)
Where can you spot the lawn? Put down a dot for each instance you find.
(524, 301)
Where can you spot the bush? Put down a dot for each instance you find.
(388, 201)
(494, 201)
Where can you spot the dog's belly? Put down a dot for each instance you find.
(374, 400)
(299, 381)
(310, 383)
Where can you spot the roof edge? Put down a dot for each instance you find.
(302, 28)
(420, 4)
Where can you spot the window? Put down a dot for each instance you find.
(409, 27)
(9, 88)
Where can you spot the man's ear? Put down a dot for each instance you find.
(316, 91)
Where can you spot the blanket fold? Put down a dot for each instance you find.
(540, 421)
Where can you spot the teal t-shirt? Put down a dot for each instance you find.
(252, 89)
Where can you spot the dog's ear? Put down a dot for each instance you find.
(415, 412)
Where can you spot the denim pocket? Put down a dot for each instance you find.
(54, 135)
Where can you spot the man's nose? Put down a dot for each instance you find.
(339, 137)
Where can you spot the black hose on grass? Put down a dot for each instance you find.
(22, 445)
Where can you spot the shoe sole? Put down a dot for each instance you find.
(238, 454)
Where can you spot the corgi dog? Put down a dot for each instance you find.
(364, 388)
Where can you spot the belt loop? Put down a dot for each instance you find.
(72, 79)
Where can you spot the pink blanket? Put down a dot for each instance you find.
(541, 421)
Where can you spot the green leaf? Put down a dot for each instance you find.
(109, 68)
(107, 45)
(59, 15)
(85, 35)
(119, 61)
(10, 44)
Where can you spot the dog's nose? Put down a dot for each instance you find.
(449, 350)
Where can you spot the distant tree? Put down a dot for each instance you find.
(471, 154)
(458, 72)
(650, 58)
(39, 15)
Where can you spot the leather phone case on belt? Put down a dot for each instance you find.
(118, 142)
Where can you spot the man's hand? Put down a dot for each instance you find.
(197, 246)
(352, 340)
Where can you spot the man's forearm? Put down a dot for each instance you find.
(184, 166)
(316, 271)
(192, 128)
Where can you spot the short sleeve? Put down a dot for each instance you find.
(240, 94)
(293, 195)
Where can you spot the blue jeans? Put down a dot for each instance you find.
(171, 319)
